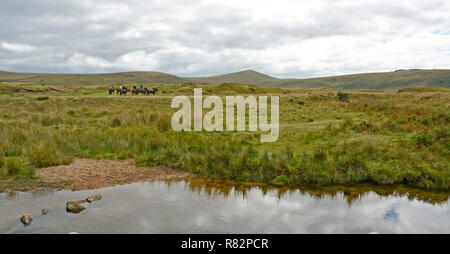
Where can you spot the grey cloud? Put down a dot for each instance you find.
(205, 38)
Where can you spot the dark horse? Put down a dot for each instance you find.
(149, 91)
(111, 90)
(124, 90)
(135, 91)
(153, 91)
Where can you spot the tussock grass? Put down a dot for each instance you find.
(2, 161)
(382, 138)
(17, 166)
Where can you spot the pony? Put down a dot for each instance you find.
(124, 91)
(153, 91)
(111, 90)
(147, 91)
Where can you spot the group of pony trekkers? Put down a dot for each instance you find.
(123, 90)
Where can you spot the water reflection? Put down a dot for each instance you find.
(213, 188)
(199, 206)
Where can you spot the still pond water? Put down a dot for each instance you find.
(193, 207)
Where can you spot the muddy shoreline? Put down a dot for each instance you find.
(89, 174)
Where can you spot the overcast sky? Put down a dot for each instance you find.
(197, 38)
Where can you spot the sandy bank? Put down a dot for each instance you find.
(94, 174)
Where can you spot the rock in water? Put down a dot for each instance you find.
(26, 219)
(44, 211)
(93, 198)
(74, 206)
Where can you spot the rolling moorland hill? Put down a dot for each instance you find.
(145, 77)
(373, 81)
(242, 77)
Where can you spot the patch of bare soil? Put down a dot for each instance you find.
(88, 174)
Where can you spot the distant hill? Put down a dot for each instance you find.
(376, 81)
(373, 81)
(142, 77)
(12, 76)
(242, 77)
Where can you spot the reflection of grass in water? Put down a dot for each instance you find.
(225, 188)
(27, 183)
(382, 138)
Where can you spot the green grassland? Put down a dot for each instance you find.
(383, 138)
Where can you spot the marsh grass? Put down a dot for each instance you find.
(18, 166)
(2, 161)
(382, 138)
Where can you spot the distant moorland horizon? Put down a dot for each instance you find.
(376, 80)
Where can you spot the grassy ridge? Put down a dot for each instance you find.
(92, 79)
(374, 81)
(242, 77)
(377, 81)
(382, 138)
(367, 81)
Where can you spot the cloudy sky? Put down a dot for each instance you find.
(197, 38)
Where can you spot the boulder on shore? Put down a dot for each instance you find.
(74, 206)
(26, 219)
(91, 199)
(44, 211)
